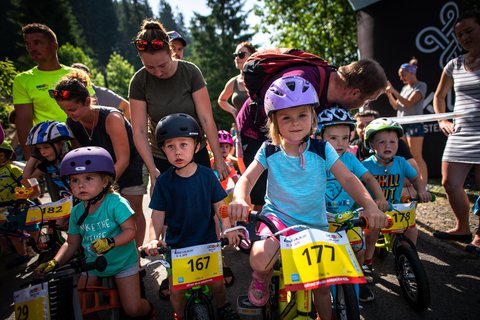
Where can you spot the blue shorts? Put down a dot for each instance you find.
(414, 130)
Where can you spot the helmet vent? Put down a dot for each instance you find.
(305, 88)
(291, 85)
(88, 162)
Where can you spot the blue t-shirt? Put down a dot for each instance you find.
(338, 200)
(105, 222)
(188, 205)
(391, 178)
(296, 195)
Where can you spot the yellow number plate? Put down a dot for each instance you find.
(32, 303)
(403, 217)
(49, 211)
(196, 265)
(314, 258)
(353, 235)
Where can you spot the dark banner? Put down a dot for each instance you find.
(392, 32)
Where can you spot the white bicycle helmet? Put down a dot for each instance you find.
(48, 132)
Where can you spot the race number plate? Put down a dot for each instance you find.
(196, 265)
(50, 211)
(32, 303)
(403, 217)
(314, 258)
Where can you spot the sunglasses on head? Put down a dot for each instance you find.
(240, 54)
(155, 44)
(62, 94)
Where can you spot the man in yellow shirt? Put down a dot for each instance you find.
(30, 88)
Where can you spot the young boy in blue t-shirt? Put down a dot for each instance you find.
(335, 125)
(185, 198)
(382, 136)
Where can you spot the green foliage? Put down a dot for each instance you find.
(119, 73)
(214, 39)
(99, 22)
(69, 54)
(130, 15)
(327, 28)
(7, 74)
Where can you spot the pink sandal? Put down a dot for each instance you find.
(258, 293)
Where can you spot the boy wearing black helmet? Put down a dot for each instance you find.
(183, 199)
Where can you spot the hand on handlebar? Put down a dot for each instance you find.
(151, 248)
(238, 210)
(424, 196)
(233, 238)
(46, 267)
(102, 245)
(382, 204)
(376, 218)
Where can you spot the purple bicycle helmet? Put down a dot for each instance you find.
(225, 137)
(86, 160)
(289, 92)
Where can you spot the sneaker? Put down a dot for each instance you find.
(365, 294)
(18, 260)
(368, 272)
(258, 293)
(227, 313)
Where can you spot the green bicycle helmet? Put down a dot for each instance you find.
(378, 125)
(7, 148)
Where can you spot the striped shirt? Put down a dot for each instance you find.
(463, 146)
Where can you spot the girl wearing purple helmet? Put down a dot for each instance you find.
(102, 223)
(296, 181)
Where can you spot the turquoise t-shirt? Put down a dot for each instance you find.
(105, 222)
(337, 199)
(391, 178)
(296, 195)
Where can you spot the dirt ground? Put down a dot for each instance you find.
(438, 215)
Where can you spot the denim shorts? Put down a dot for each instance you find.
(414, 130)
(124, 273)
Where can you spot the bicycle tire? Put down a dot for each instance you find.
(199, 311)
(346, 303)
(412, 277)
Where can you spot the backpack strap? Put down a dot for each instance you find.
(270, 149)
(317, 147)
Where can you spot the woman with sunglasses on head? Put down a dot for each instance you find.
(165, 86)
(235, 89)
(104, 127)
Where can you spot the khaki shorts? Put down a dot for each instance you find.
(134, 190)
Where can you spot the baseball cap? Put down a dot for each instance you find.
(174, 35)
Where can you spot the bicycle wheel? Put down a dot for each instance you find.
(346, 303)
(199, 311)
(412, 277)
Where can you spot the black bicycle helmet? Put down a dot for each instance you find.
(176, 125)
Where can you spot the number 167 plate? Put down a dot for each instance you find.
(196, 265)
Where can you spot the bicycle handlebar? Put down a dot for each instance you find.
(167, 249)
(75, 266)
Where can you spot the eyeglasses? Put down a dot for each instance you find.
(239, 54)
(62, 94)
(155, 44)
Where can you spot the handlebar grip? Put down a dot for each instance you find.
(100, 264)
(161, 250)
(389, 222)
(223, 211)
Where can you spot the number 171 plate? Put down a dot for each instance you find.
(196, 265)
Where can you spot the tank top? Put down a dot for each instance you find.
(238, 96)
(132, 176)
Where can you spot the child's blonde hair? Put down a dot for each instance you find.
(274, 132)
